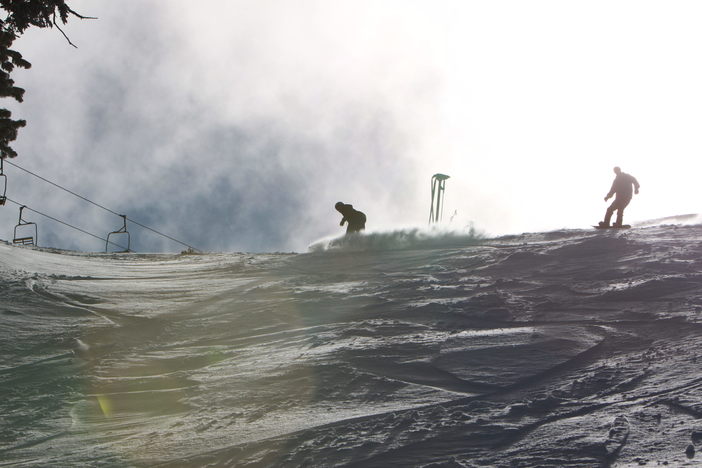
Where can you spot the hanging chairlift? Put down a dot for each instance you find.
(122, 230)
(3, 184)
(26, 240)
(438, 185)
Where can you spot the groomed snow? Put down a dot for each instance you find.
(569, 348)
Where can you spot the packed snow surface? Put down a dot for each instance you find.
(571, 348)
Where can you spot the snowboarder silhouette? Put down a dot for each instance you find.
(621, 187)
(356, 219)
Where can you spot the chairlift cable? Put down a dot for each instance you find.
(103, 207)
(66, 224)
(62, 188)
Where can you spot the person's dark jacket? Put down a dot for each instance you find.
(622, 186)
(356, 219)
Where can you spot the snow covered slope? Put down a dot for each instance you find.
(570, 348)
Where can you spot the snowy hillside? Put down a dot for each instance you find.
(569, 348)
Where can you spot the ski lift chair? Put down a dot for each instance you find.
(25, 240)
(3, 184)
(122, 230)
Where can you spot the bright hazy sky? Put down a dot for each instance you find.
(238, 126)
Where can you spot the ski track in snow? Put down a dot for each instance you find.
(569, 348)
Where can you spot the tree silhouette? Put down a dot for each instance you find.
(21, 14)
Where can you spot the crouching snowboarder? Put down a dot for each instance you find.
(356, 219)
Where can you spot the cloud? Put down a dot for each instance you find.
(237, 137)
(238, 125)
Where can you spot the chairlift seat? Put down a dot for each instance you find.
(122, 230)
(3, 188)
(22, 224)
(23, 241)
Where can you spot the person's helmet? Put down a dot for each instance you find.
(339, 205)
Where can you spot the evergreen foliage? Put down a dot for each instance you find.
(21, 14)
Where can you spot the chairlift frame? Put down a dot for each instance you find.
(26, 240)
(438, 186)
(3, 181)
(122, 230)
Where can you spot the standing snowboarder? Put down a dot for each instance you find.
(356, 219)
(621, 187)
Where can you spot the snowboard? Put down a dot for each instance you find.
(623, 226)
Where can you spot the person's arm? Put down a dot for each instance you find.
(636, 184)
(343, 220)
(611, 191)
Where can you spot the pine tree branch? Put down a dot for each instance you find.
(78, 15)
(61, 30)
(74, 13)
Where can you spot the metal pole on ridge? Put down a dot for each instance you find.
(438, 186)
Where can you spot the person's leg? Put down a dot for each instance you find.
(357, 223)
(608, 213)
(353, 227)
(621, 204)
(620, 216)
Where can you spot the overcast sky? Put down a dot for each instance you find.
(237, 125)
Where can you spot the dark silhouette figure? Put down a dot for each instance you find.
(356, 219)
(622, 188)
